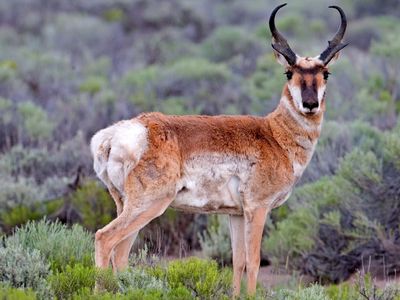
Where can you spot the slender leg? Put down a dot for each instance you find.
(132, 219)
(238, 251)
(117, 198)
(120, 257)
(254, 226)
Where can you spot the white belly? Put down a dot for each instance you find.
(212, 184)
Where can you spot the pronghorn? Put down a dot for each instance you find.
(243, 166)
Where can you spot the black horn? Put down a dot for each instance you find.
(335, 45)
(279, 43)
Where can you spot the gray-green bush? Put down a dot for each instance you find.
(24, 268)
(341, 222)
(58, 243)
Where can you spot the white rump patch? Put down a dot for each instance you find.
(116, 151)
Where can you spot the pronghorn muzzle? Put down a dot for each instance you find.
(309, 98)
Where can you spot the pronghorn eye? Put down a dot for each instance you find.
(326, 75)
(289, 75)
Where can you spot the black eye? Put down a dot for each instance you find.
(289, 75)
(326, 75)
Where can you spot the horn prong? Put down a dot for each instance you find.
(335, 45)
(279, 43)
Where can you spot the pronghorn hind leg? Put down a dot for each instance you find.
(120, 257)
(131, 220)
(117, 197)
(238, 251)
(254, 226)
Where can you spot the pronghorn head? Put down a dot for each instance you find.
(307, 76)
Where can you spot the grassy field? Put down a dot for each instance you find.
(69, 68)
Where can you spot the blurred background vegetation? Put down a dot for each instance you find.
(70, 68)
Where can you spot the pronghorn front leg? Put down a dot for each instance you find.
(120, 257)
(238, 251)
(254, 221)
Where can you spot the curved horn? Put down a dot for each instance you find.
(335, 45)
(279, 43)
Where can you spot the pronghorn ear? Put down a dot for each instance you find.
(281, 59)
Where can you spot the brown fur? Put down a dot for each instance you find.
(273, 146)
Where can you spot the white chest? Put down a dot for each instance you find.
(309, 148)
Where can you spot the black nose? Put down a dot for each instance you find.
(310, 104)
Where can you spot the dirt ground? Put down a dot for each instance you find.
(271, 277)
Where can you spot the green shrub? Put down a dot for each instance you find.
(134, 283)
(136, 294)
(334, 222)
(35, 121)
(47, 170)
(202, 278)
(107, 281)
(72, 280)
(193, 69)
(205, 84)
(342, 291)
(226, 42)
(114, 15)
(6, 106)
(392, 149)
(391, 50)
(10, 293)
(93, 84)
(337, 139)
(7, 70)
(315, 292)
(18, 215)
(18, 204)
(22, 268)
(140, 78)
(141, 84)
(61, 245)
(124, 282)
(177, 106)
(266, 82)
(22, 191)
(363, 288)
(360, 168)
(293, 237)
(216, 242)
(94, 204)
(138, 278)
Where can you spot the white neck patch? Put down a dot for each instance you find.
(321, 93)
